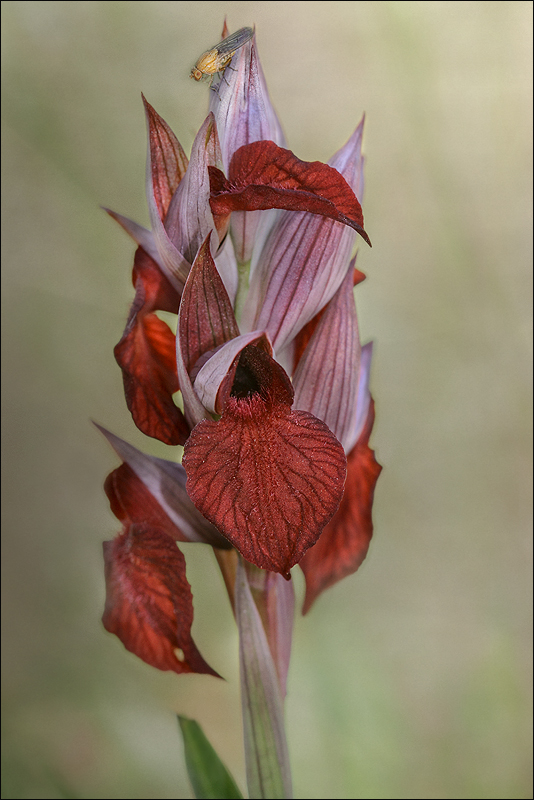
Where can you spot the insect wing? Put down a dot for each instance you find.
(234, 41)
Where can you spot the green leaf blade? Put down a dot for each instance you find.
(208, 775)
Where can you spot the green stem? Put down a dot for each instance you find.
(266, 753)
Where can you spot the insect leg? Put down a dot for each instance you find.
(216, 90)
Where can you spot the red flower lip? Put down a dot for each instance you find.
(263, 175)
(254, 473)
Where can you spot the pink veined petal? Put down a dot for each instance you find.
(205, 321)
(131, 501)
(167, 158)
(308, 259)
(242, 106)
(348, 160)
(189, 219)
(303, 262)
(326, 379)
(172, 260)
(226, 264)
(363, 399)
(194, 411)
(206, 318)
(244, 113)
(144, 238)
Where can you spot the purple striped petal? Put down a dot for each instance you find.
(303, 262)
(205, 322)
(244, 113)
(189, 219)
(326, 379)
(170, 258)
(363, 399)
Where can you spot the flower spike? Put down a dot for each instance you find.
(265, 385)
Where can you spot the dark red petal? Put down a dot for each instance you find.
(268, 478)
(344, 542)
(206, 316)
(167, 158)
(358, 276)
(263, 175)
(131, 501)
(149, 605)
(147, 356)
(153, 292)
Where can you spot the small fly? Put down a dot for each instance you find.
(217, 58)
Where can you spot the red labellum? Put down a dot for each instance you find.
(267, 477)
(263, 175)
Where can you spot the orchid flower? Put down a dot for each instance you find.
(252, 250)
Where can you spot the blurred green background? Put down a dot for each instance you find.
(412, 678)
